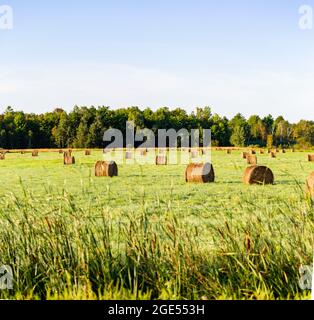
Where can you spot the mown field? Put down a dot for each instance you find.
(147, 234)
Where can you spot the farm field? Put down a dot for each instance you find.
(147, 234)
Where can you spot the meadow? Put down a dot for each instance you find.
(147, 234)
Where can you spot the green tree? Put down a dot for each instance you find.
(238, 137)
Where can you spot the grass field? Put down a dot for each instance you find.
(147, 234)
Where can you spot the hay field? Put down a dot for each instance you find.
(147, 234)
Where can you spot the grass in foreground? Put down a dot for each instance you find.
(148, 235)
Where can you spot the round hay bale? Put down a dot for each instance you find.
(88, 152)
(200, 173)
(106, 169)
(261, 151)
(283, 151)
(244, 155)
(310, 185)
(252, 152)
(251, 159)
(228, 151)
(194, 154)
(60, 151)
(2, 156)
(272, 154)
(258, 175)
(68, 160)
(310, 157)
(129, 155)
(161, 160)
(35, 153)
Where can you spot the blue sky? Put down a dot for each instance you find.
(235, 56)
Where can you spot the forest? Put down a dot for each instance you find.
(84, 127)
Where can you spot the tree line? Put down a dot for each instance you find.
(84, 127)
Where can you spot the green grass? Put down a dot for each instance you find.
(148, 235)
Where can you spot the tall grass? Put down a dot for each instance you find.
(98, 242)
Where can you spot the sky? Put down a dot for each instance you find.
(234, 56)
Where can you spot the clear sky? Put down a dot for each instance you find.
(247, 56)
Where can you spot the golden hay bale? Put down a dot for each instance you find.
(261, 151)
(2, 156)
(228, 151)
(283, 150)
(200, 172)
(272, 154)
(88, 152)
(252, 152)
(310, 157)
(310, 184)
(244, 155)
(106, 169)
(258, 175)
(67, 158)
(161, 160)
(251, 159)
(35, 153)
(194, 154)
(60, 151)
(128, 155)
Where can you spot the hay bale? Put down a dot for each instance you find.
(88, 152)
(272, 154)
(200, 173)
(194, 154)
(128, 155)
(35, 153)
(310, 185)
(258, 175)
(68, 159)
(261, 151)
(228, 151)
(283, 151)
(106, 169)
(2, 156)
(310, 157)
(253, 152)
(251, 159)
(60, 151)
(244, 155)
(161, 160)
